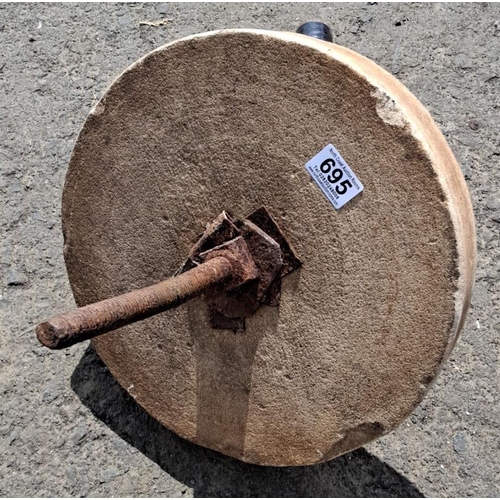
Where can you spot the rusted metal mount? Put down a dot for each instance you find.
(237, 264)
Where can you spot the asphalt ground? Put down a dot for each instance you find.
(66, 427)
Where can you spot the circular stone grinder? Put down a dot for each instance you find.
(311, 308)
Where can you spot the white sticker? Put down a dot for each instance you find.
(333, 175)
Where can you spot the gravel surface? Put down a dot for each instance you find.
(66, 428)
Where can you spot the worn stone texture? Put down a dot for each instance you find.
(226, 122)
(56, 63)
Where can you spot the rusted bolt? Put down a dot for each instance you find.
(90, 321)
(234, 260)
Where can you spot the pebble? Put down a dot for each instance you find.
(49, 394)
(15, 187)
(121, 446)
(354, 29)
(83, 490)
(124, 20)
(16, 278)
(78, 435)
(161, 8)
(459, 443)
(71, 475)
(13, 436)
(488, 235)
(4, 430)
(492, 202)
(464, 62)
(108, 474)
(59, 442)
(473, 124)
(491, 77)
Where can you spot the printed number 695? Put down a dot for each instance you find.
(335, 175)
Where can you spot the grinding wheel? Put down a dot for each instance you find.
(227, 121)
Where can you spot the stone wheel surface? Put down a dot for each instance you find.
(227, 120)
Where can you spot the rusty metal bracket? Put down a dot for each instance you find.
(271, 253)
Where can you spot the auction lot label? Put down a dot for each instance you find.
(334, 176)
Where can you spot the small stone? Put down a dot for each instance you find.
(83, 490)
(493, 202)
(108, 474)
(15, 187)
(49, 394)
(16, 278)
(4, 430)
(366, 18)
(71, 475)
(161, 8)
(59, 442)
(459, 443)
(464, 62)
(488, 235)
(13, 436)
(121, 446)
(354, 29)
(78, 435)
(124, 20)
(473, 124)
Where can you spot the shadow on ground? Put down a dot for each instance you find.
(357, 474)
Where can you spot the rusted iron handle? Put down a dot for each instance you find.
(90, 321)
